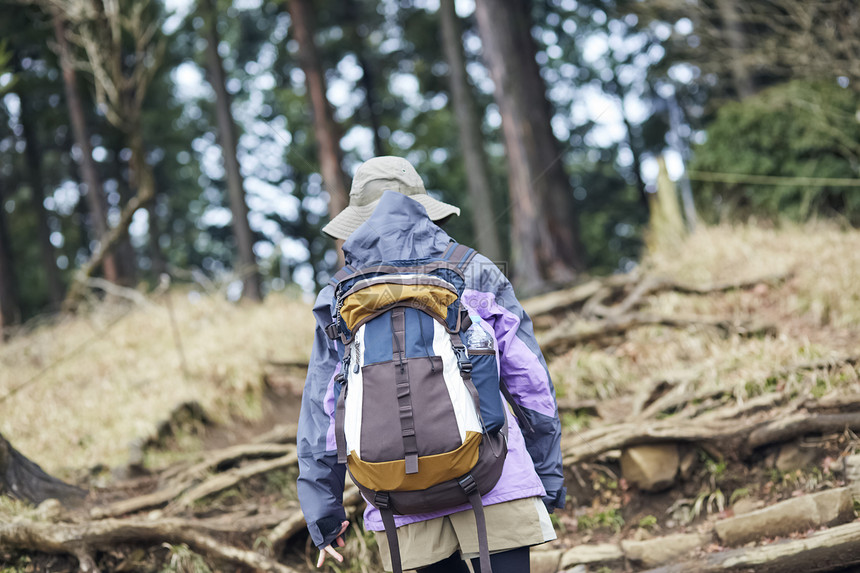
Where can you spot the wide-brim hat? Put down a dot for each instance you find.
(372, 178)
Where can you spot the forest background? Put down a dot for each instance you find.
(221, 134)
(671, 185)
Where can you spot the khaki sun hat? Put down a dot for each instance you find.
(372, 178)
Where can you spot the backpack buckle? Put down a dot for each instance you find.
(382, 500)
(468, 484)
(463, 359)
(331, 331)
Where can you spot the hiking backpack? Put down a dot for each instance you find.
(420, 422)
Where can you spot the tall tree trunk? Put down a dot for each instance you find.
(9, 311)
(159, 265)
(546, 245)
(471, 139)
(374, 108)
(227, 137)
(124, 253)
(325, 128)
(633, 143)
(33, 159)
(734, 32)
(89, 173)
(368, 76)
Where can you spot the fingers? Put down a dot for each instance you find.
(337, 556)
(330, 550)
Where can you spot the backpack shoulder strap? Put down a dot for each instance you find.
(342, 274)
(447, 254)
(470, 488)
(460, 255)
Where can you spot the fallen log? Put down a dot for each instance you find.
(828, 550)
(82, 539)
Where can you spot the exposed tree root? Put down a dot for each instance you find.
(295, 523)
(232, 477)
(152, 500)
(225, 458)
(594, 297)
(665, 396)
(655, 285)
(562, 300)
(280, 434)
(184, 478)
(566, 336)
(725, 434)
(81, 539)
(789, 427)
(247, 521)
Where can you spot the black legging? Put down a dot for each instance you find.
(513, 561)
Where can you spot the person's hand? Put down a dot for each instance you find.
(331, 550)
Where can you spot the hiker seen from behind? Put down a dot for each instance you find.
(427, 385)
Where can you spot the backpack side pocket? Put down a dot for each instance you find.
(485, 377)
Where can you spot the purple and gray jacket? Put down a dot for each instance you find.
(400, 229)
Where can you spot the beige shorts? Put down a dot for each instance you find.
(512, 524)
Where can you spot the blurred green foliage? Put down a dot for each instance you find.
(798, 129)
(615, 72)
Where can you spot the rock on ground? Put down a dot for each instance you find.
(653, 552)
(794, 456)
(545, 561)
(650, 467)
(584, 554)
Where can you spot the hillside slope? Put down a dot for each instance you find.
(737, 330)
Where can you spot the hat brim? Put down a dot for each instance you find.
(351, 218)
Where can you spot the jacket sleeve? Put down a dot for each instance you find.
(523, 370)
(321, 478)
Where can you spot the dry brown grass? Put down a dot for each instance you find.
(824, 257)
(127, 378)
(817, 313)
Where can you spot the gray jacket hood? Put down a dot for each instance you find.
(398, 229)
